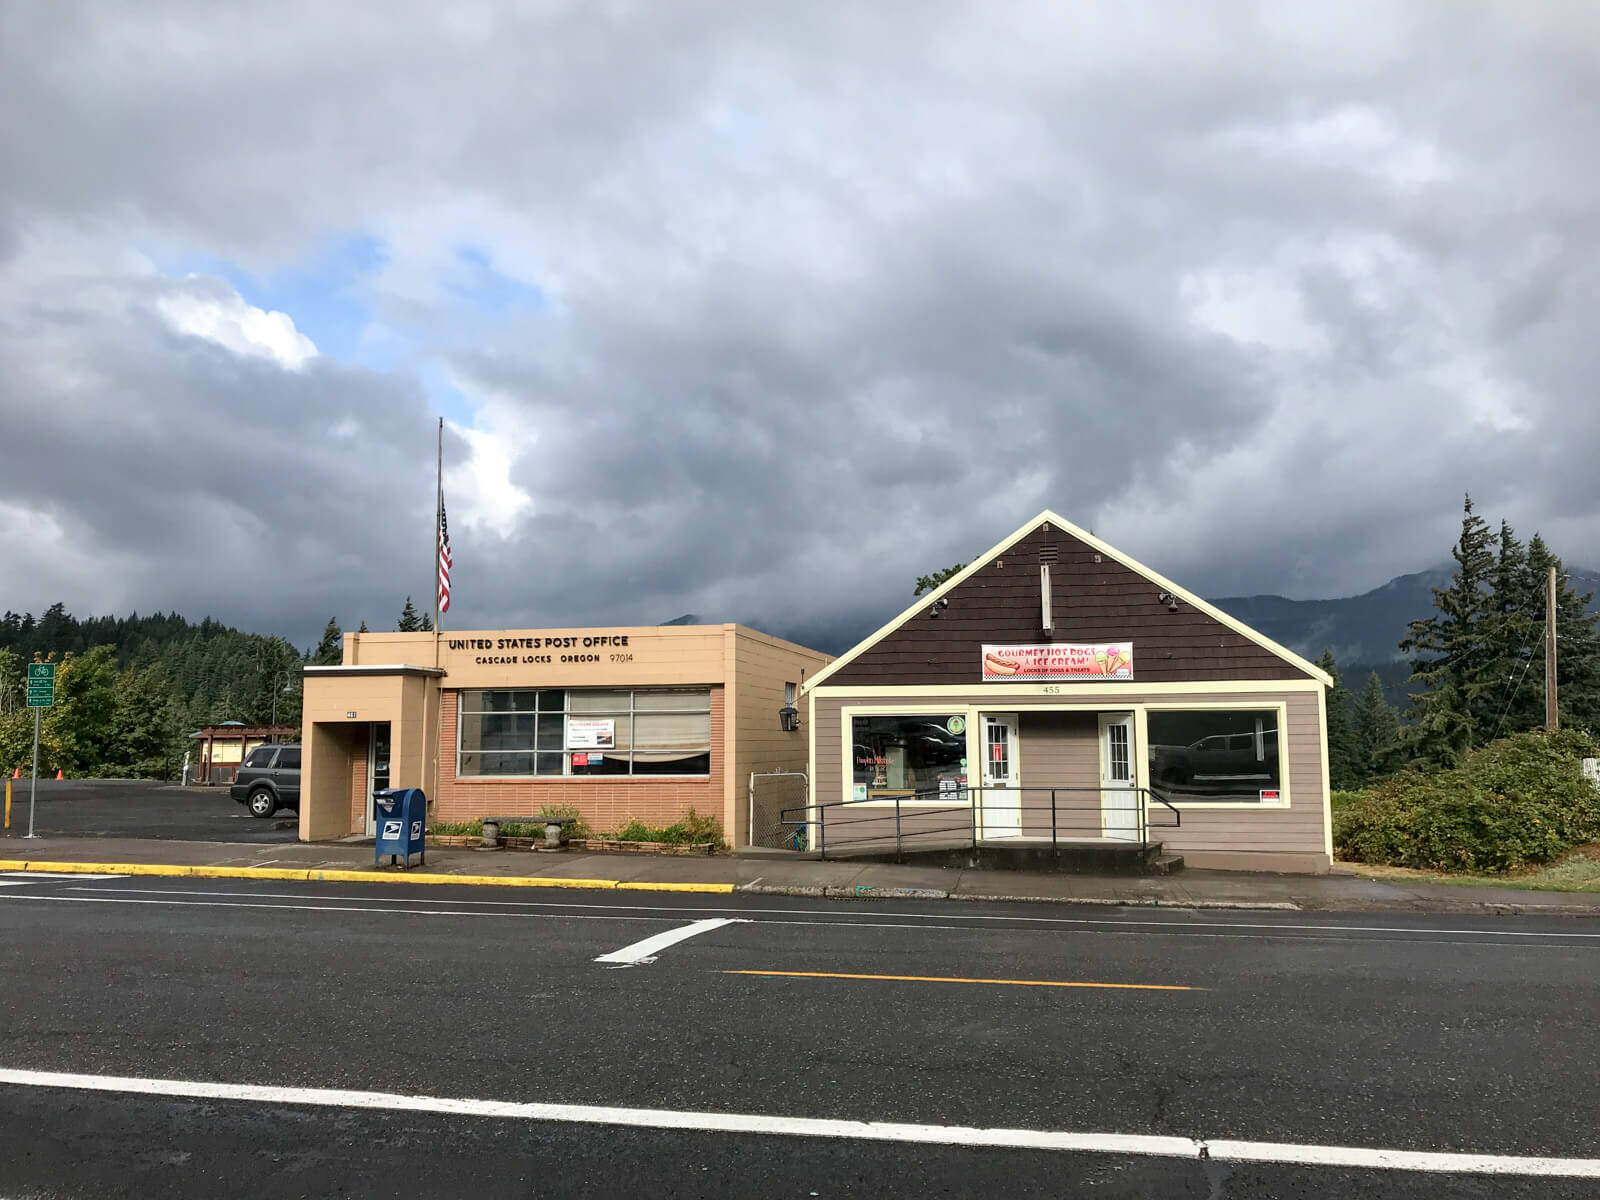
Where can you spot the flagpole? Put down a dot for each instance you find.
(433, 729)
(438, 525)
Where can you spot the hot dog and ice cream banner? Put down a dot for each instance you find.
(1057, 660)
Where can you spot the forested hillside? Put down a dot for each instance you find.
(129, 689)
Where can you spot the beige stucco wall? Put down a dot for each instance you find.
(761, 666)
(1293, 837)
(339, 711)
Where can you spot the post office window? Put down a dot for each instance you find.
(585, 731)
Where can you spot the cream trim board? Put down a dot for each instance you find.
(1282, 710)
(1004, 691)
(1316, 673)
(847, 748)
(1327, 787)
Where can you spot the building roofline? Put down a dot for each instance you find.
(374, 669)
(1094, 543)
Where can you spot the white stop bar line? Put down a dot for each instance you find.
(870, 1131)
(645, 951)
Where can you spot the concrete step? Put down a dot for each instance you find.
(1090, 858)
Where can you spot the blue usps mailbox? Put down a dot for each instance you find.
(400, 816)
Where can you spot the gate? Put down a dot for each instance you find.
(770, 793)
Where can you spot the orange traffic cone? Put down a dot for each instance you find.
(58, 773)
(17, 774)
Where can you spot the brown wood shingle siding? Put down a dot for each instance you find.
(1092, 601)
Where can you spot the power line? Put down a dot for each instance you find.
(1528, 662)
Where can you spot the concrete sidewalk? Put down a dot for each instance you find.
(790, 877)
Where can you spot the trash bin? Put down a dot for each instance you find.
(400, 817)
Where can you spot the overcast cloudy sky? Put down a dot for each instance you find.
(760, 310)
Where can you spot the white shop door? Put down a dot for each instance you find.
(1119, 798)
(1002, 804)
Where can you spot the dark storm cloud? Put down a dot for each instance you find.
(828, 296)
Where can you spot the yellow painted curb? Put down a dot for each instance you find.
(335, 875)
(720, 889)
(312, 874)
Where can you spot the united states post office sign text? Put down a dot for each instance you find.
(565, 648)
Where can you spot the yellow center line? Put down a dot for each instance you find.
(1060, 983)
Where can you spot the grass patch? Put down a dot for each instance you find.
(1577, 872)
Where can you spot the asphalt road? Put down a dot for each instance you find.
(141, 808)
(1454, 1034)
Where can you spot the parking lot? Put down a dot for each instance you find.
(142, 808)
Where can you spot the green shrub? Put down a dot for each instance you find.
(636, 831)
(1517, 801)
(1338, 799)
(691, 828)
(460, 828)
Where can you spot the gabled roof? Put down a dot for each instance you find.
(922, 603)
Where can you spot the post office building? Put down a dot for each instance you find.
(621, 724)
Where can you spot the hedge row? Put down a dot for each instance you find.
(1518, 801)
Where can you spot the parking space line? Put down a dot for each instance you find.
(1049, 983)
(646, 950)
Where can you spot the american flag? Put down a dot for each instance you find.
(444, 560)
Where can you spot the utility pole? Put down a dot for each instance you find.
(1552, 717)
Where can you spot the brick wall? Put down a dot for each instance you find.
(606, 802)
(360, 800)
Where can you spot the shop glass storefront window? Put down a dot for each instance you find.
(592, 731)
(1216, 756)
(922, 756)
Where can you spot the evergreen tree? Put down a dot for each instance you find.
(1511, 631)
(427, 623)
(1377, 731)
(1450, 657)
(12, 687)
(363, 628)
(1346, 772)
(408, 619)
(329, 651)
